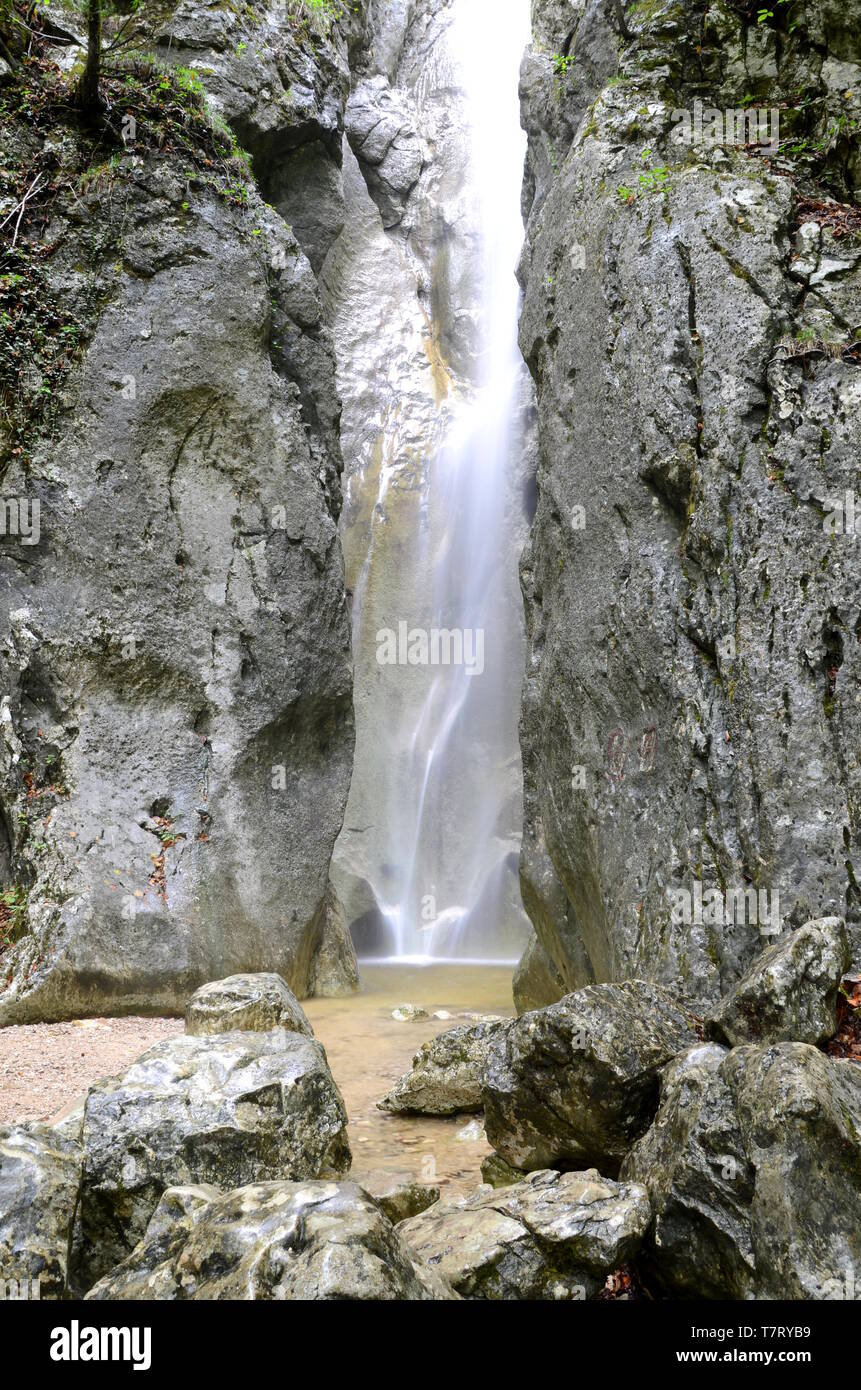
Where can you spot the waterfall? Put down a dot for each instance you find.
(438, 499)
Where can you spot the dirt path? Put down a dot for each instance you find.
(46, 1067)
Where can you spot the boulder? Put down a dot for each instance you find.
(228, 1110)
(40, 1175)
(446, 1074)
(536, 982)
(246, 1003)
(279, 1241)
(398, 1195)
(497, 1173)
(573, 1085)
(753, 1168)
(789, 994)
(335, 970)
(553, 1236)
(148, 1271)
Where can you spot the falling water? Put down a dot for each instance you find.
(448, 770)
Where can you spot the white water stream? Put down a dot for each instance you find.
(447, 771)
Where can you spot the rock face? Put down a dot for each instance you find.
(536, 982)
(689, 713)
(273, 1240)
(573, 1085)
(40, 1176)
(554, 1236)
(446, 1074)
(334, 970)
(225, 1110)
(245, 1003)
(176, 732)
(789, 994)
(753, 1167)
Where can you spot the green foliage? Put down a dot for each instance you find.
(317, 15)
(42, 327)
(13, 915)
(562, 63)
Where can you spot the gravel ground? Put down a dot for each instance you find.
(46, 1068)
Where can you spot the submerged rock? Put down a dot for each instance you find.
(40, 1176)
(227, 1110)
(273, 1241)
(573, 1085)
(246, 1003)
(446, 1074)
(553, 1236)
(753, 1167)
(408, 1013)
(790, 992)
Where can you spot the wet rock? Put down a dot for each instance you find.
(227, 1110)
(40, 1176)
(245, 1003)
(274, 1241)
(381, 128)
(148, 1271)
(398, 1195)
(790, 992)
(553, 1236)
(335, 972)
(537, 982)
(445, 1078)
(753, 1167)
(689, 711)
(408, 1013)
(472, 1133)
(185, 711)
(575, 1084)
(497, 1173)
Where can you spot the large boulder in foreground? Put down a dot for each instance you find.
(789, 994)
(247, 1003)
(40, 1174)
(446, 1073)
(272, 1241)
(553, 1236)
(573, 1085)
(753, 1167)
(227, 1110)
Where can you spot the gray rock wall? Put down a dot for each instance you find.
(690, 713)
(177, 731)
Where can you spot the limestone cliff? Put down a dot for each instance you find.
(177, 730)
(692, 316)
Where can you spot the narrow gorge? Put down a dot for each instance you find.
(429, 715)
